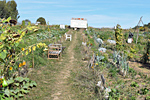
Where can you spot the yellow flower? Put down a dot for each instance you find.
(20, 64)
(24, 63)
(96, 64)
(34, 47)
(26, 52)
(92, 66)
(22, 49)
(38, 45)
(10, 68)
(29, 49)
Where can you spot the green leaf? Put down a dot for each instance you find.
(2, 36)
(12, 94)
(16, 44)
(27, 79)
(25, 91)
(34, 83)
(8, 19)
(31, 84)
(7, 92)
(20, 79)
(16, 91)
(4, 84)
(10, 81)
(4, 21)
(16, 96)
(1, 46)
(20, 95)
(3, 55)
(17, 84)
(26, 86)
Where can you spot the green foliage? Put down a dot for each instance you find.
(114, 94)
(148, 98)
(146, 56)
(23, 23)
(121, 62)
(17, 87)
(143, 91)
(9, 41)
(8, 9)
(119, 37)
(112, 72)
(132, 72)
(134, 84)
(41, 20)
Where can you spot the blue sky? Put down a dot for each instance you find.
(99, 13)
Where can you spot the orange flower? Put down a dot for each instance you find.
(10, 68)
(24, 63)
(22, 49)
(20, 64)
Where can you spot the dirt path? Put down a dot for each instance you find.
(145, 69)
(62, 87)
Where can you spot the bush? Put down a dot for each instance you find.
(41, 20)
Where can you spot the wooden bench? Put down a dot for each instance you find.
(54, 51)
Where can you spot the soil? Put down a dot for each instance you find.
(62, 87)
(139, 67)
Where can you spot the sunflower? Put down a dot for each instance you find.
(20, 64)
(22, 49)
(10, 68)
(24, 63)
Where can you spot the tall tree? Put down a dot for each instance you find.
(3, 9)
(8, 9)
(12, 6)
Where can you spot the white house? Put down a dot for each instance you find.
(78, 23)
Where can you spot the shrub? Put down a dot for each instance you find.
(41, 20)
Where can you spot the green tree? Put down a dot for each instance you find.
(3, 10)
(41, 20)
(8, 9)
(12, 6)
(27, 21)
